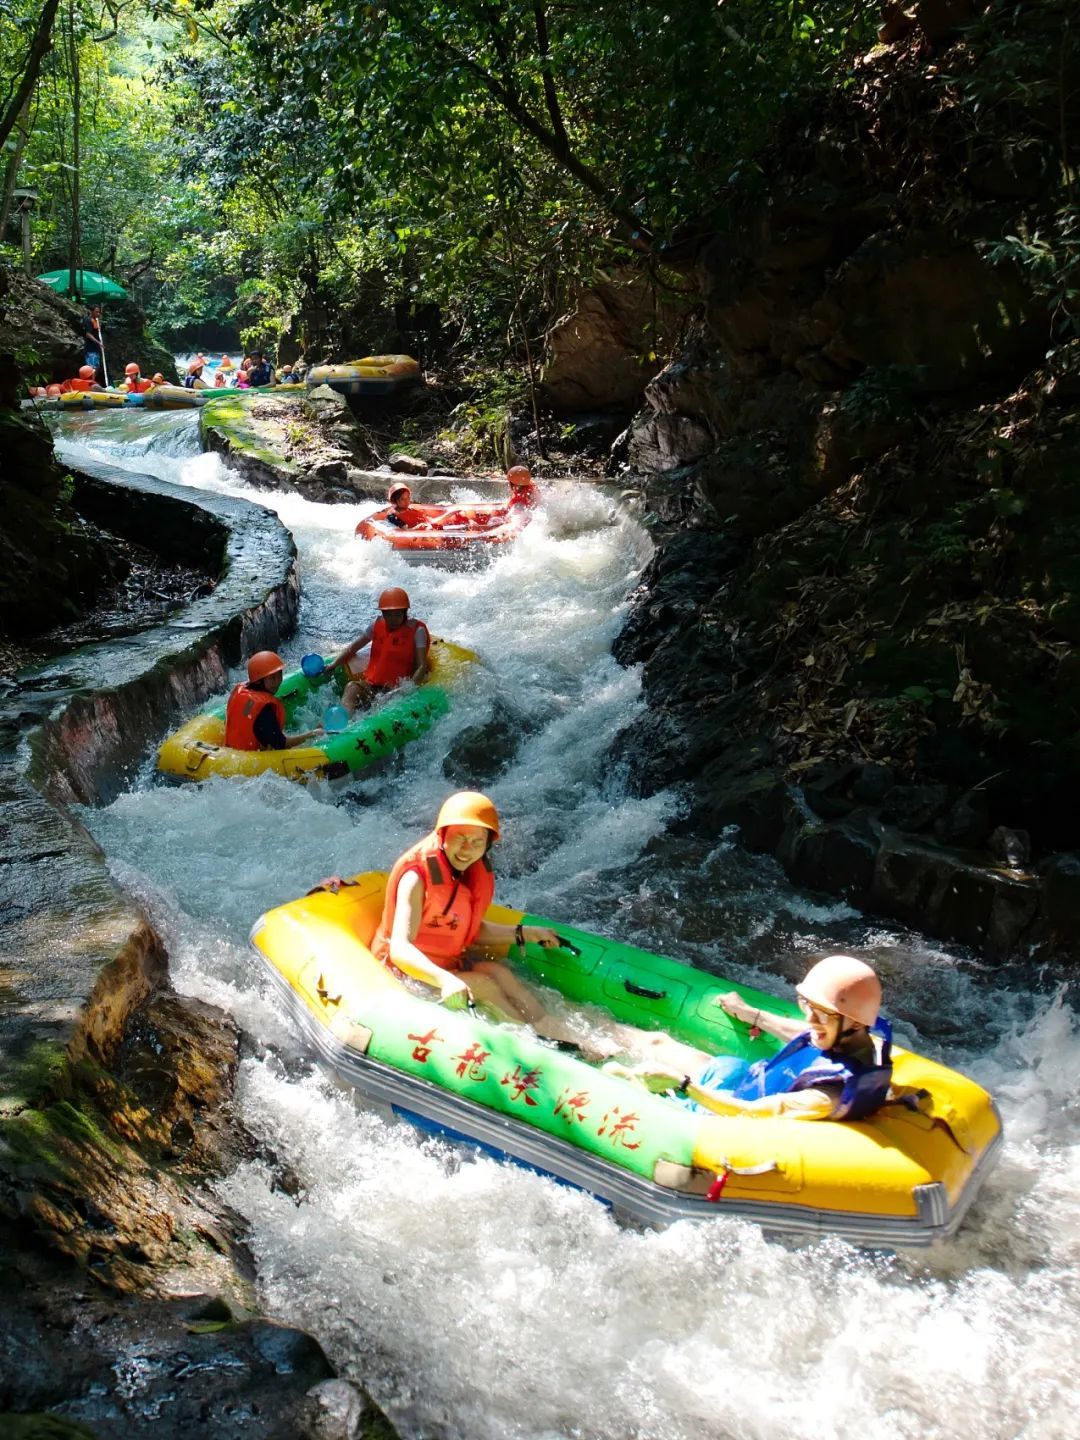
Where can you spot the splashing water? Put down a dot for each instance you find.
(475, 1299)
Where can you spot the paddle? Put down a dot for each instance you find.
(101, 346)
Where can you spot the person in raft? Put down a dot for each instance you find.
(399, 651)
(224, 373)
(433, 913)
(134, 383)
(85, 381)
(254, 716)
(193, 380)
(261, 372)
(403, 515)
(524, 496)
(835, 1065)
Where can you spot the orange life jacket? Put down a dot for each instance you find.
(244, 708)
(523, 499)
(454, 903)
(393, 652)
(139, 387)
(79, 384)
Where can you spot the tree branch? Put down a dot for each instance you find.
(38, 49)
(550, 93)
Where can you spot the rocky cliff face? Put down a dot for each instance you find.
(863, 610)
(43, 331)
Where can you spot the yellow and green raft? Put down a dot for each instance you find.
(198, 751)
(904, 1177)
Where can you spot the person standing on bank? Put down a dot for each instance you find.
(91, 337)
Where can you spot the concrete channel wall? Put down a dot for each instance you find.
(76, 956)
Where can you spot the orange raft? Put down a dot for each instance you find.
(476, 532)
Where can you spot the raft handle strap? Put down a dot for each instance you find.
(643, 991)
(725, 1168)
(565, 944)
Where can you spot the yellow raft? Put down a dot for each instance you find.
(197, 750)
(904, 1177)
(374, 375)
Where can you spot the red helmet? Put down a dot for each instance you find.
(131, 368)
(520, 476)
(844, 985)
(394, 599)
(264, 663)
(396, 489)
(86, 372)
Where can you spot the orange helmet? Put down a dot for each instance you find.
(86, 372)
(396, 489)
(394, 599)
(264, 663)
(196, 364)
(131, 368)
(520, 476)
(159, 379)
(469, 807)
(845, 985)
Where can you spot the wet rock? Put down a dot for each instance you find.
(1059, 919)
(826, 789)
(872, 784)
(334, 1410)
(913, 807)
(1011, 847)
(943, 892)
(480, 752)
(838, 857)
(740, 788)
(966, 822)
(407, 464)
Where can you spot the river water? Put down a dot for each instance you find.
(476, 1300)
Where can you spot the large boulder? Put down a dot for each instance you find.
(604, 352)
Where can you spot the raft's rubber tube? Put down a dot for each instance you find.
(462, 537)
(374, 375)
(197, 750)
(904, 1177)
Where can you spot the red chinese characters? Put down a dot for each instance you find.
(521, 1082)
(621, 1127)
(425, 1044)
(471, 1062)
(572, 1106)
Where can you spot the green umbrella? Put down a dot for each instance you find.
(89, 284)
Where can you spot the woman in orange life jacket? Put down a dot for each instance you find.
(524, 495)
(403, 515)
(399, 651)
(433, 913)
(254, 716)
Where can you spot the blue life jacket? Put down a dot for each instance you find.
(802, 1066)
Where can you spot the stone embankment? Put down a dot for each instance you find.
(127, 1303)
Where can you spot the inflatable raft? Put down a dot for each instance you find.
(374, 375)
(197, 750)
(905, 1177)
(475, 534)
(161, 397)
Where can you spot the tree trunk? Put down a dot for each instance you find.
(38, 48)
(22, 126)
(76, 233)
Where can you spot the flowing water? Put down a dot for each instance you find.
(474, 1299)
